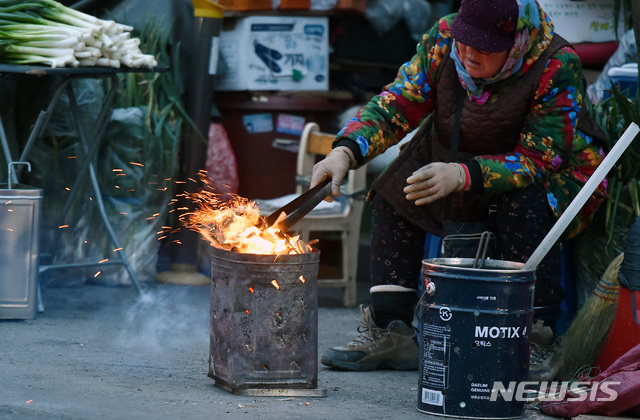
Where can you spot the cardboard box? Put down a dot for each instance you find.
(294, 4)
(584, 20)
(358, 6)
(274, 53)
(246, 4)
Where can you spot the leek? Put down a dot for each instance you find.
(48, 32)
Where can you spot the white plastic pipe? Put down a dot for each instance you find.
(598, 175)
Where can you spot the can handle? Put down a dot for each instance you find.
(11, 165)
(429, 289)
(481, 254)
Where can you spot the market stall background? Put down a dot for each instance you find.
(366, 46)
(365, 49)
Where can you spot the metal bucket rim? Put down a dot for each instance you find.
(266, 259)
(20, 191)
(466, 265)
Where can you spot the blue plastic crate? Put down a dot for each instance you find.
(625, 78)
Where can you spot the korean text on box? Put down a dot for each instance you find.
(274, 53)
(584, 20)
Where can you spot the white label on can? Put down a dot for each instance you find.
(436, 354)
(431, 397)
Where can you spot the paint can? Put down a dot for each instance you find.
(475, 337)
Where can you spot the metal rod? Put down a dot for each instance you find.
(589, 187)
(100, 127)
(114, 239)
(43, 120)
(87, 165)
(11, 172)
(48, 267)
(93, 149)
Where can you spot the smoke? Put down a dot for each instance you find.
(167, 319)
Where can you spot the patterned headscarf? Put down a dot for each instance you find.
(534, 32)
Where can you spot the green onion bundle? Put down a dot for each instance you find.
(48, 32)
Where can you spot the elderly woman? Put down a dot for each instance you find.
(497, 82)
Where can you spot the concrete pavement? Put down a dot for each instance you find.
(101, 352)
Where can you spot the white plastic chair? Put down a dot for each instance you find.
(343, 216)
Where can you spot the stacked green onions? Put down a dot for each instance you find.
(50, 33)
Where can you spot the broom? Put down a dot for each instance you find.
(589, 330)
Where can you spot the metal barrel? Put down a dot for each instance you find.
(264, 320)
(475, 337)
(19, 256)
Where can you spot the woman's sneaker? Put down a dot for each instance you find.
(394, 347)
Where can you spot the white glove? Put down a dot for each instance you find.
(434, 181)
(335, 166)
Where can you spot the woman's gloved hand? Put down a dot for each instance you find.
(335, 166)
(434, 181)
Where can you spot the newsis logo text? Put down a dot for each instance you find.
(531, 391)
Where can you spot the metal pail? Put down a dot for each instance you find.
(264, 320)
(19, 250)
(475, 334)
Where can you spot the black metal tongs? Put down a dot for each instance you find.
(297, 208)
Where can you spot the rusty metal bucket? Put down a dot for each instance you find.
(264, 323)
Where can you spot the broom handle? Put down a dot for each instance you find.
(581, 198)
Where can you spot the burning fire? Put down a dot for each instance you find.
(234, 223)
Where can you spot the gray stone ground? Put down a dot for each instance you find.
(101, 352)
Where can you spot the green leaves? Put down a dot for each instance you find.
(614, 115)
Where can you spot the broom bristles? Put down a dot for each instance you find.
(588, 331)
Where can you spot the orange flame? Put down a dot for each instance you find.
(275, 284)
(234, 223)
(302, 279)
